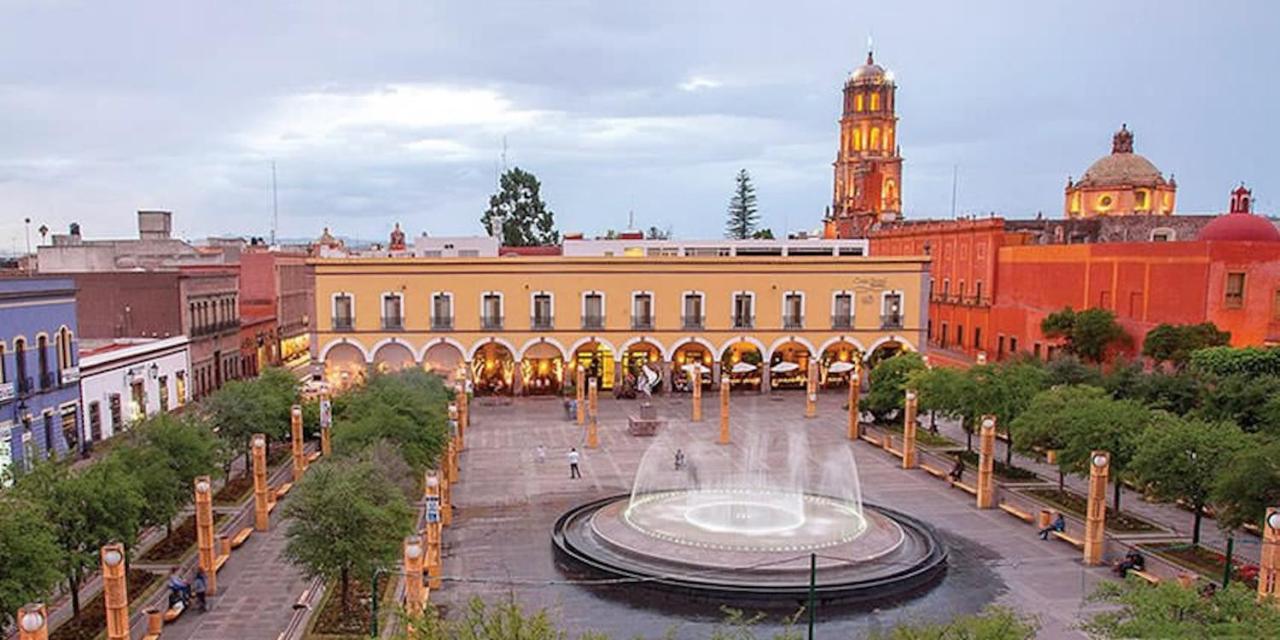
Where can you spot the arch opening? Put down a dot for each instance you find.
(493, 369)
(744, 364)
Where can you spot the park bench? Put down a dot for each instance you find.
(870, 438)
(240, 536)
(1016, 512)
(1149, 577)
(934, 471)
(315, 455)
(173, 612)
(283, 490)
(1065, 537)
(964, 487)
(219, 561)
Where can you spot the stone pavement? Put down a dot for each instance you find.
(500, 543)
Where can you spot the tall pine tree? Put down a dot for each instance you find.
(743, 214)
(526, 220)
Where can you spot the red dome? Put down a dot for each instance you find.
(1240, 227)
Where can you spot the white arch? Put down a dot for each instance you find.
(666, 355)
(797, 339)
(724, 348)
(422, 355)
(475, 348)
(675, 346)
(564, 355)
(324, 352)
(573, 348)
(906, 344)
(837, 340)
(396, 341)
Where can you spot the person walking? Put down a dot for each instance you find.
(200, 587)
(540, 454)
(573, 464)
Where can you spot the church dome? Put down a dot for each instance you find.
(1240, 227)
(1122, 167)
(869, 73)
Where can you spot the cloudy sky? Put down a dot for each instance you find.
(378, 112)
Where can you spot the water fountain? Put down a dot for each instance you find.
(743, 522)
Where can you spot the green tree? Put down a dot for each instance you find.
(1050, 419)
(1179, 459)
(656, 233)
(525, 219)
(1005, 390)
(1069, 369)
(947, 392)
(165, 453)
(994, 623)
(1225, 361)
(1248, 484)
(762, 234)
(743, 213)
(29, 556)
(345, 517)
(407, 409)
(1251, 401)
(242, 408)
(1174, 343)
(889, 383)
(1089, 334)
(1169, 611)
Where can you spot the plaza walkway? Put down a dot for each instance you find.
(499, 545)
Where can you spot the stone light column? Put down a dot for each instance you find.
(446, 504)
(434, 564)
(724, 411)
(261, 491)
(909, 431)
(593, 432)
(982, 357)
(451, 461)
(414, 589)
(204, 531)
(464, 409)
(593, 397)
(986, 463)
(854, 390)
(1096, 511)
(716, 372)
(33, 622)
(299, 455)
(811, 390)
(1269, 564)
(696, 381)
(326, 426)
(115, 591)
(580, 388)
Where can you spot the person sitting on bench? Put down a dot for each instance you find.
(179, 590)
(957, 472)
(1132, 560)
(1059, 524)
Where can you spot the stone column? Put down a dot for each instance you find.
(666, 377)
(204, 531)
(414, 590)
(434, 564)
(593, 433)
(765, 385)
(909, 431)
(724, 411)
(446, 503)
(1096, 511)
(811, 390)
(986, 463)
(451, 462)
(517, 380)
(33, 622)
(716, 373)
(696, 380)
(593, 397)
(580, 389)
(261, 491)
(115, 591)
(326, 424)
(464, 410)
(299, 453)
(155, 622)
(855, 429)
(619, 374)
(1269, 563)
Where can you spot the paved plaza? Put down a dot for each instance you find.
(499, 545)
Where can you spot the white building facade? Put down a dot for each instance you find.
(125, 381)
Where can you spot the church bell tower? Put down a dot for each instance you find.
(868, 167)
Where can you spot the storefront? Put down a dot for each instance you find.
(597, 360)
(542, 370)
(789, 366)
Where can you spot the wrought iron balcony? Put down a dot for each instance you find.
(841, 321)
(891, 321)
(741, 321)
(542, 323)
(48, 380)
(492, 323)
(442, 323)
(343, 323)
(692, 322)
(790, 321)
(592, 321)
(642, 323)
(395, 323)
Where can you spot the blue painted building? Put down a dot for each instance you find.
(39, 370)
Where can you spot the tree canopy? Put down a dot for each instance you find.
(1174, 343)
(743, 215)
(29, 556)
(1248, 485)
(1169, 611)
(889, 383)
(525, 219)
(1089, 334)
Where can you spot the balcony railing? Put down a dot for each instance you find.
(692, 322)
(592, 321)
(69, 375)
(543, 323)
(491, 322)
(24, 385)
(642, 323)
(343, 323)
(891, 321)
(442, 323)
(394, 323)
(841, 321)
(791, 321)
(47, 380)
(7, 392)
(743, 321)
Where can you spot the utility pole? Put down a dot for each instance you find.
(955, 177)
(813, 588)
(275, 205)
(27, 221)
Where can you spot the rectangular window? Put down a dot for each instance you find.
(542, 314)
(164, 394)
(642, 311)
(491, 311)
(977, 338)
(392, 311)
(4, 373)
(1036, 350)
(593, 311)
(71, 428)
(137, 401)
(743, 310)
(999, 347)
(442, 312)
(977, 293)
(1275, 308)
(343, 311)
(50, 448)
(1013, 344)
(943, 335)
(891, 311)
(960, 335)
(180, 380)
(95, 421)
(117, 417)
(793, 311)
(1234, 298)
(691, 317)
(842, 314)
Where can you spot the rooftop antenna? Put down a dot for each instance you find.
(631, 219)
(275, 205)
(955, 177)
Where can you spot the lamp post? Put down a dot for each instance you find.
(986, 463)
(854, 390)
(593, 432)
(464, 415)
(295, 432)
(1269, 562)
(811, 390)
(697, 392)
(434, 564)
(593, 397)
(1096, 510)
(204, 532)
(261, 492)
(414, 589)
(115, 591)
(580, 389)
(909, 431)
(33, 622)
(326, 426)
(724, 411)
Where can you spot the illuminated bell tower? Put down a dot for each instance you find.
(868, 167)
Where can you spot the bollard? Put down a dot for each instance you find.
(155, 621)
(1096, 511)
(593, 432)
(115, 591)
(724, 411)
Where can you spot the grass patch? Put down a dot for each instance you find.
(1075, 504)
(92, 620)
(332, 621)
(1002, 471)
(924, 437)
(1206, 562)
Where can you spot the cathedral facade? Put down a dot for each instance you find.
(868, 166)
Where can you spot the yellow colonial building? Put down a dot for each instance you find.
(521, 324)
